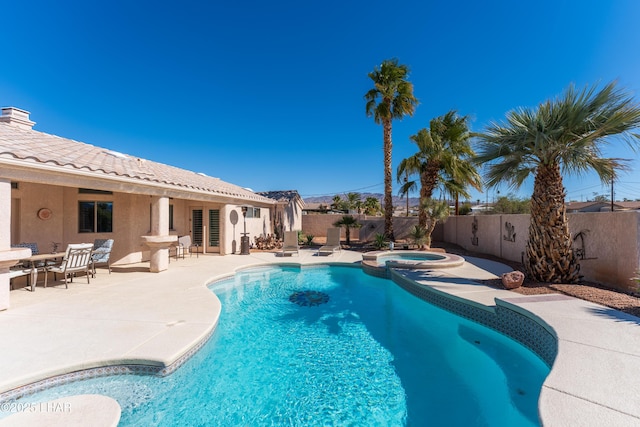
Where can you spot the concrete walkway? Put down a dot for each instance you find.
(133, 316)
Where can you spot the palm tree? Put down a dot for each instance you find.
(444, 157)
(338, 203)
(354, 201)
(418, 235)
(568, 132)
(379, 241)
(348, 222)
(437, 211)
(371, 205)
(407, 187)
(396, 100)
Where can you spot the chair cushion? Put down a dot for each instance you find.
(32, 246)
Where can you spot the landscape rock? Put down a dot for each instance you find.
(512, 280)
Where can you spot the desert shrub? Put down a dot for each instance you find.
(380, 241)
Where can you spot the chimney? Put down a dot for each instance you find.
(16, 117)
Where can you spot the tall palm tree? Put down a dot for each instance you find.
(566, 133)
(444, 157)
(391, 98)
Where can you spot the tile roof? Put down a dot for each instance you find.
(635, 204)
(582, 205)
(35, 148)
(281, 196)
(631, 205)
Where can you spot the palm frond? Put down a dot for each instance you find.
(570, 130)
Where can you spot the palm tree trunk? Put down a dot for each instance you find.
(550, 257)
(388, 183)
(428, 181)
(406, 179)
(430, 227)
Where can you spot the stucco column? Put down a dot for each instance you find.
(159, 216)
(8, 256)
(159, 240)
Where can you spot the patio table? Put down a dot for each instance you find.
(34, 259)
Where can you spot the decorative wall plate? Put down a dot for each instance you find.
(44, 214)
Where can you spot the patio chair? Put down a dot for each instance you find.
(290, 245)
(333, 242)
(184, 246)
(77, 258)
(100, 255)
(39, 265)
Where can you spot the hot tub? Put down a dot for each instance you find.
(381, 260)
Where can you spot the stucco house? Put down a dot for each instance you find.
(288, 210)
(574, 207)
(57, 190)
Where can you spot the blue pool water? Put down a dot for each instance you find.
(353, 351)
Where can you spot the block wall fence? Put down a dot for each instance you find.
(607, 243)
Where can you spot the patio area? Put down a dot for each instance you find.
(136, 317)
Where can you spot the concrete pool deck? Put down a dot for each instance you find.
(136, 317)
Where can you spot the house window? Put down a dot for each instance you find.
(253, 212)
(214, 227)
(95, 217)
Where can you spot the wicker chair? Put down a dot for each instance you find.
(101, 253)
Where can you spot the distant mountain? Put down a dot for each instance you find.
(397, 201)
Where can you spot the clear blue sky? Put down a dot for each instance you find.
(269, 94)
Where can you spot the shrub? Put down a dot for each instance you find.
(380, 241)
(419, 236)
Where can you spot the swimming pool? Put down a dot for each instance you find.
(333, 346)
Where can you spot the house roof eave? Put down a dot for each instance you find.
(40, 173)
